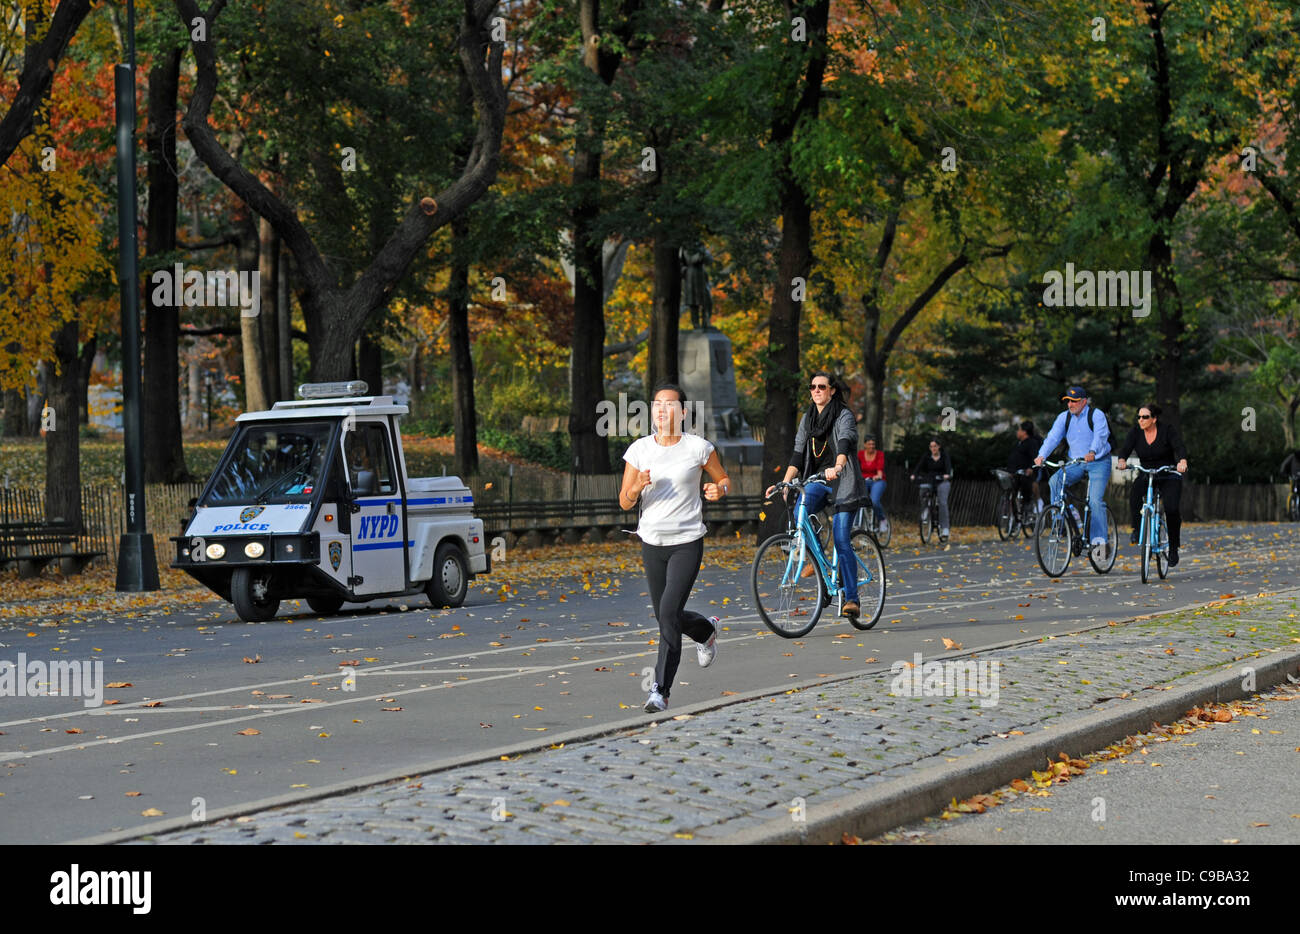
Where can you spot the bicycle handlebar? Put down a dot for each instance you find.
(798, 485)
(1164, 468)
(1067, 463)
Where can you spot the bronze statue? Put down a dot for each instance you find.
(696, 294)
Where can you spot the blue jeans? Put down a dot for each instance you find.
(876, 490)
(1098, 477)
(815, 496)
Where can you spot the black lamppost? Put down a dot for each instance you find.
(137, 567)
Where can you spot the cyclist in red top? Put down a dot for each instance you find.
(872, 463)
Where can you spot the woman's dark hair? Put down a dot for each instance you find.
(934, 440)
(868, 437)
(1028, 428)
(673, 387)
(1151, 407)
(841, 388)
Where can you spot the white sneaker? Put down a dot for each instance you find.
(884, 526)
(655, 703)
(706, 652)
(1099, 552)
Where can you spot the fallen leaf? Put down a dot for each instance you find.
(248, 732)
(119, 684)
(391, 709)
(949, 644)
(154, 703)
(133, 794)
(254, 660)
(73, 730)
(151, 812)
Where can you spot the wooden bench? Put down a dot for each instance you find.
(33, 545)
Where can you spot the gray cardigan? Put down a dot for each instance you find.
(850, 490)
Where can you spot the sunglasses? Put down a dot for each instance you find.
(1142, 417)
(819, 387)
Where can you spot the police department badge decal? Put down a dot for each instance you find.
(336, 554)
(249, 513)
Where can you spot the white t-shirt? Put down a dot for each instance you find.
(672, 513)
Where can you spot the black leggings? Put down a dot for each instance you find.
(1171, 493)
(671, 571)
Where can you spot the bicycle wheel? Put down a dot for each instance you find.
(927, 514)
(1144, 539)
(1293, 507)
(1112, 543)
(788, 602)
(1162, 540)
(1006, 517)
(871, 579)
(1052, 541)
(1027, 517)
(883, 530)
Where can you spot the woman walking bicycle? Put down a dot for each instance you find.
(826, 442)
(1157, 445)
(662, 477)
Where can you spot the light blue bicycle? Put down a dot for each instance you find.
(1152, 538)
(792, 579)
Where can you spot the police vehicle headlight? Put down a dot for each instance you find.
(254, 549)
(216, 551)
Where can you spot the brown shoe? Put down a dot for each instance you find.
(852, 609)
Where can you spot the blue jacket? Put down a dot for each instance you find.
(1079, 439)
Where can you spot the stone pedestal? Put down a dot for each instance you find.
(705, 366)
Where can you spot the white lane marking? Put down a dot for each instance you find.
(303, 708)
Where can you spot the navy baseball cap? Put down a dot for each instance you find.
(1074, 394)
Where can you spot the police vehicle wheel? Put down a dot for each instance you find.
(252, 594)
(325, 606)
(450, 581)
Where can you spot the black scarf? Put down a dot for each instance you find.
(821, 424)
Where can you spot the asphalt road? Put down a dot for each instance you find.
(551, 656)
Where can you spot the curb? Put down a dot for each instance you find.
(868, 814)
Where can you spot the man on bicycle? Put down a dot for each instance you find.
(1087, 435)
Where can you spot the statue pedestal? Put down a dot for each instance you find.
(705, 366)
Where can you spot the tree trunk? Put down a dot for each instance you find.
(62, 445)
(370, 363)
(255, 397)
(160, 383)
(284, 324)
(664, 313)
(83, 387)
(587, 358)
(15, 414)
(782, 377)
(1170, 305)
(268, 322)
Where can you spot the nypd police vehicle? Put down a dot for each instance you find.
(311, 500)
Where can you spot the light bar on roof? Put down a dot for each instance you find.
(356, 387)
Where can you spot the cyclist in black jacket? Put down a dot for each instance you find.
(1158, 446)
(1021, 462)
(935, 469)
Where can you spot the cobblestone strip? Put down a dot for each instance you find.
(715, 773)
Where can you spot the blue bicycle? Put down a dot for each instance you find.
(1151, 533)
(792, 579)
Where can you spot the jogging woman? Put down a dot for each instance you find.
(827, 440)
(662, 476)
(1158, 446)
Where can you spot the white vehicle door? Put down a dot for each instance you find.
(378, 530)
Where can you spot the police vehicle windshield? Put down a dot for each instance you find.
(272, 464)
